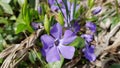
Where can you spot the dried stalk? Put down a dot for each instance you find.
(102, 43)
(115, 44)
(103, 40)
(15, 53)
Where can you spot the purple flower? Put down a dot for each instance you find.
(96, 10)
(87, 37)
(53, 4)
(89, 53)
(35, 25)
(75, 27)
(67, 17)
(70, 12)
(39, 9)
(54, 45)
(89, 49)
(91, 26)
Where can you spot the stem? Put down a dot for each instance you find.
(36, 4)
(68, 16)
(59, 8)
(117, 7)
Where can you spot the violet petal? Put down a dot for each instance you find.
(89, 53)
(76, 27)
(51, 2)
(56, 31)
(69, 37)
(43, 52)
(35, 25)
(47, 41)
(54, 8)
(52, 55)
(39, 9)
(60, 1)
(87, 37)
(91, 26)
(67, 51)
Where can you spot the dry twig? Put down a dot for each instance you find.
(15, 53)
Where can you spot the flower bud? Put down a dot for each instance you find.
(96, 10)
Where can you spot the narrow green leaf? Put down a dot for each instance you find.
(74, 10)
(60, 19)
(32, 56)
(7, 8)
(1, 43)
(90, 3)
(78, 42)
(79, 12)
(27, 16)
(47, 24)
(39, 55)
(24, 10)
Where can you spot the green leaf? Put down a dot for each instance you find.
(13, 18)
(60, 19)
(57, 64)
(7, 8)
(1, 42)
(39, 55)
(21, 2)
(47, 24)
(3, 20)
(1, 30)
(90, 3)
(20, 20)
(32, 3)
(114, 21)
(27, 15)
(26, 12)
(32, 56)
(78, 42)
(79, 12)
(1, 60)
(20, 28)
(93, 18)
(74, 10)
(6, 1)
(115, 66)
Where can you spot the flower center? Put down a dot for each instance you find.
(57, 42)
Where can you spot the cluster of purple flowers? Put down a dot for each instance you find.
(89, 49)
(56, 44)
(67, 12)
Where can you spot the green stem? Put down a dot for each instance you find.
(117, 7)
